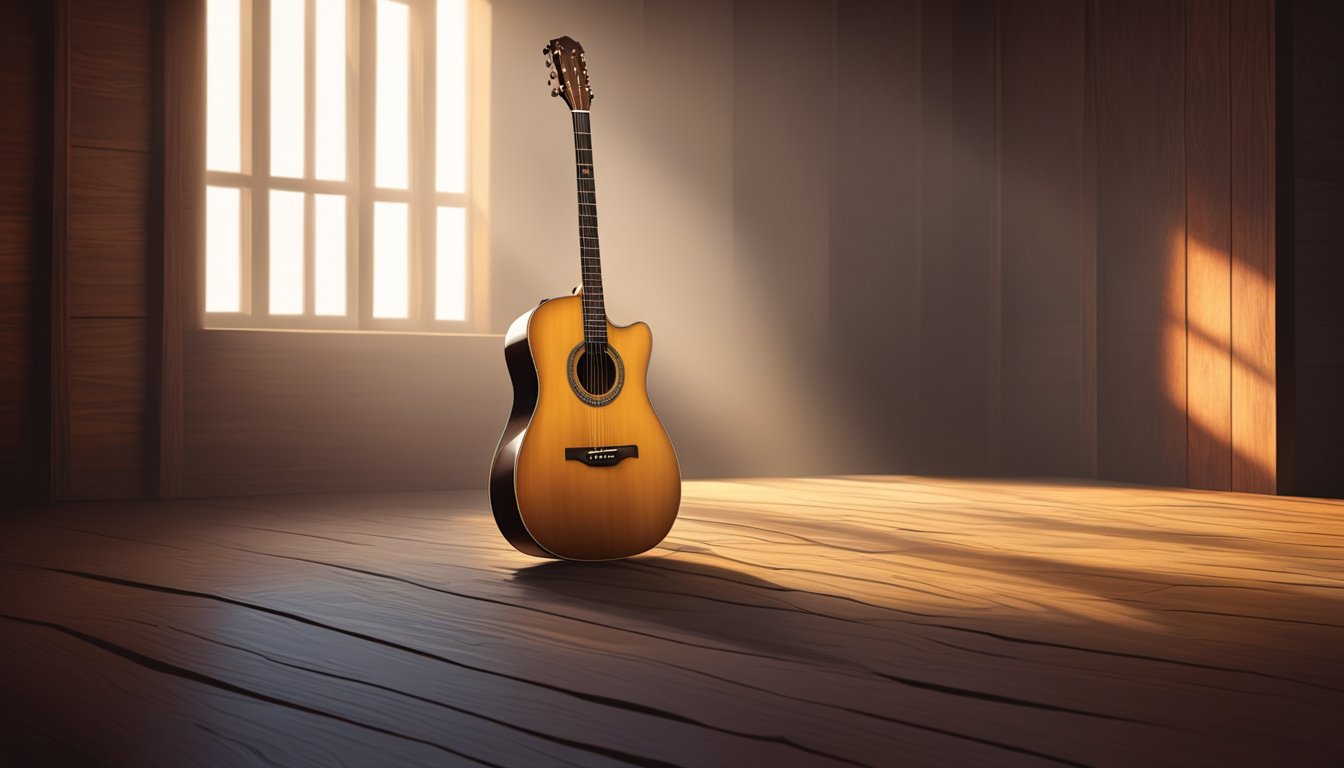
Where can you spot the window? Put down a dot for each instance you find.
(338, 184)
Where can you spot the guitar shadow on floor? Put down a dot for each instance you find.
(698, 604)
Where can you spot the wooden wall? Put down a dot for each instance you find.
(25, 58)
(1093, 242)
(100, 264)
(1031, 236)
(74, 250)
(1048, 243)
(875, 228)
(1315, 200)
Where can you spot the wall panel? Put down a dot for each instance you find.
(1314, 184)
(1044, 222)
(874, 234)
(24, 79)
(1254, 428)
(958, 252)
(100, 265)
(107, 236)
(1208, 244)
(107, 359)
(681, 238)
(778, 347)
(109, 74)
(1141, 356)
(275, 412)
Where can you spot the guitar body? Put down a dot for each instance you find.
(584, 470)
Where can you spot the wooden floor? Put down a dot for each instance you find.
(837, 621)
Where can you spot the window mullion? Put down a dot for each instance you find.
(354, 202)
(261, 159)
(423, 154)
(477, 165)
(366, 113)
(309, 154)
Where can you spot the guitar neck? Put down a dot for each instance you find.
(590, 257)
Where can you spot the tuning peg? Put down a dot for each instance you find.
(546, 51)
(552, 77)
(554, 92)
(548, 61)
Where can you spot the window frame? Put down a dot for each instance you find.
(255, 182)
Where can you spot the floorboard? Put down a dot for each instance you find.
(806, 621)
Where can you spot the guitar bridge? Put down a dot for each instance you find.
(604, 456)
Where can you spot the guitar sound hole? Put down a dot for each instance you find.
(596, 372)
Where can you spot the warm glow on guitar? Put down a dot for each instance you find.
(584, 469)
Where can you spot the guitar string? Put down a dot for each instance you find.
(599, 300)
(592, 351)
(607, 371)
(579, 372)
(583, 265)
(585, 372)
(599, 351)
(607, 355)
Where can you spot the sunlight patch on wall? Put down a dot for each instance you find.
(1206, 387)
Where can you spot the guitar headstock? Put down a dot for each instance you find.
(569, 72)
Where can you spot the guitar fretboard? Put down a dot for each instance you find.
(594, 310)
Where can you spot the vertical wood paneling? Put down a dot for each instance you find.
(1043, 213)
(1087, 245)
(1254, 429)
(782, 207)
(1141, 242)
(1087, 186)
(781, 125)
(183, 227)
(24, 74)
(100, 300)
(60, 290)
(1208, 244)
(109, 74)
(690, 237)
(874, 234)
(107, 361)
(1315, 182)
(957, 243)
(108, 247)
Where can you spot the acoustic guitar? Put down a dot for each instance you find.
(584, 469)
